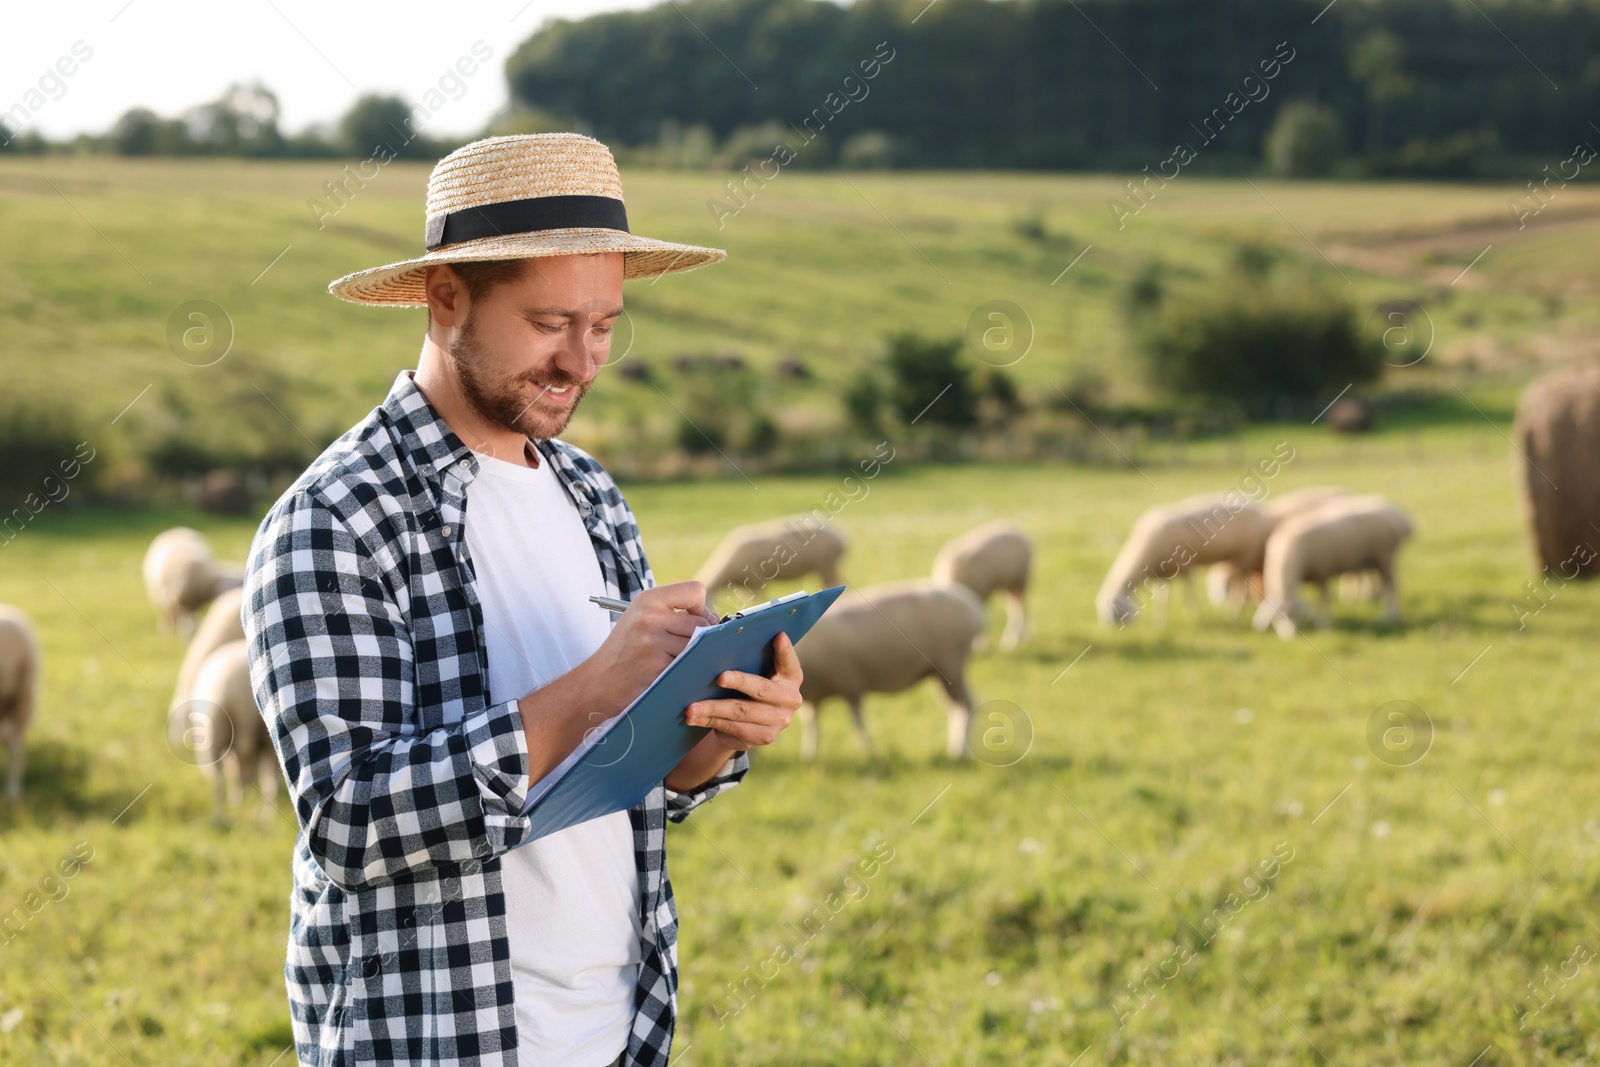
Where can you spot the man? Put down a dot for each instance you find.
(423, 649)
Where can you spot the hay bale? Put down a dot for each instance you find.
(1558, 435)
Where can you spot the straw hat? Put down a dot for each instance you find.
(541, 194)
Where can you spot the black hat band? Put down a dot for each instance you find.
(527, 216)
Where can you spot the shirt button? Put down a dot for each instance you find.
(445, 531)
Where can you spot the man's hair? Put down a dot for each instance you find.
(481, 276)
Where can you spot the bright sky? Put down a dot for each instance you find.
(318, 56)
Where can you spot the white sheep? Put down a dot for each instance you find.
(1226, 583)
(220, 727)
(885, 639)
(19, 689)
(1170, 540)
(751, 556)
(994, 557)
(181, 576)
(221, 624)
(1345, 535)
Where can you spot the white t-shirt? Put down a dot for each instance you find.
(572, 898)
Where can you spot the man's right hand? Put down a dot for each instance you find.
(645, 639)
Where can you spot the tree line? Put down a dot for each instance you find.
(244, 121)
(1440, 88)
(1406, 86)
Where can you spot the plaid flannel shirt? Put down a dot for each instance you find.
(368, 662)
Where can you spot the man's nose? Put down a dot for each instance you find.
(577, 356)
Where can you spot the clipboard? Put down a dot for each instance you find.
(619, 762)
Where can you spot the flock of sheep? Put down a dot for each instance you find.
(1264, 552)
(182, 578)
(882, 639)
(212, 717)
(887, 638)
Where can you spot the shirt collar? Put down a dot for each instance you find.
(435, 450)
(425, 439)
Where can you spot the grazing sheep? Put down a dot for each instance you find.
(220, 725)
(751, 556)
(181, 576)
(220, 625)
(1558, 466)
(1344, 535)
(885, 639)
(1168, 541)
(1226, 584)
(19, 689)
(994, 557)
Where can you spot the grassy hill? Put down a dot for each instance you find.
(102, 252)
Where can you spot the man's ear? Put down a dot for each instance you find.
(448, 300)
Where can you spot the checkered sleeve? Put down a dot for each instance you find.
(679, 805)
(333, 666)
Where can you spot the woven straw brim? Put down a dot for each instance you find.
(400, 284)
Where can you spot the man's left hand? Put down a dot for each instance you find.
(766, 708)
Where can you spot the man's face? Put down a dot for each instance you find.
(529, 349)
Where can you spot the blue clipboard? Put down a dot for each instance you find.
(618, 764)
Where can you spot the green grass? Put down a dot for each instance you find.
(100, 252)
(1019, 900)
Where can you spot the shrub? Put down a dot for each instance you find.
(868, 150)
(1456, 156)
(761, 434)
(1145, 289)
(1260, 345)
(930, 383)
(230, 415)
(35, 439)
(999, 396)
(755, 144)
(723, 410)
(699, 437)
(863, 402)
(1305, 141)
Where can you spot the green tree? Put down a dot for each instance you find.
(378, 125)
(1025, 83)
(243, 121)
(141, 132)
(1377, 64)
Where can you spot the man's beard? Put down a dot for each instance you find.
(510, 400)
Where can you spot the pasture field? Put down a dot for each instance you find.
(101, 253)
(1149, 774)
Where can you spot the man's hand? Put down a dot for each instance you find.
(751, 723)
(738, 725)
(646, 638)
